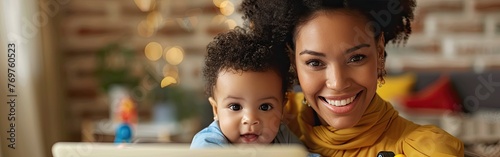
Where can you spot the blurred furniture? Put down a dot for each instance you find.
(478, 122)
(89, 149)
(144, 132)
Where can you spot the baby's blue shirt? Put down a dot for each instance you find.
(212, 136)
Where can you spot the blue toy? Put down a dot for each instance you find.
(123, 134)
(128, 117)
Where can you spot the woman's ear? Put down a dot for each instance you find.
(381, 59)
(214, 107)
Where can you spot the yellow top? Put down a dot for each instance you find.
(380, 129)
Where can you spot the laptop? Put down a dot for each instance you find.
(92, 149)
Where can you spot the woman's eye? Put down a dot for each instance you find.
(235, 107)
(265, 107)
(357, 58)
(313, 63)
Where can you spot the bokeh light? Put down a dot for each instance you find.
(145, 5)
(174, 55)
(218, 2)
(153, 51)
(231, 23)
(145, 30)
(170, 70)
(154, 19)
(227, 8)
(218, 19)
(167, 81)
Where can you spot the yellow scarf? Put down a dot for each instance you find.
(379, 129)
(326, 139)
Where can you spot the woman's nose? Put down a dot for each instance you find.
(337, 79)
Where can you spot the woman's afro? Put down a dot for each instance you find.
(281, 17)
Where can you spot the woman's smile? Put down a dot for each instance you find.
(340, 104)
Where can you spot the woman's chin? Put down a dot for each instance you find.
(342, 122)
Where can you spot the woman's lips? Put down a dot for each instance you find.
(248, 138)
(341, 106)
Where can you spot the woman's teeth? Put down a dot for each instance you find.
(340, 102)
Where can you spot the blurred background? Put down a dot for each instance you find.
(81, 61)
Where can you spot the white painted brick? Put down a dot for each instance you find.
(469, 133)
(492, 25)
(419, 42)
(427, 3)
(482, 129)
(470, 44)
(485, 61)
(421, 60)
(436, 24)
(452, 123)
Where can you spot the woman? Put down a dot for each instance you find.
(338, 51)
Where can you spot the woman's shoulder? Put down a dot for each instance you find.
(431, 132)
(430, 140)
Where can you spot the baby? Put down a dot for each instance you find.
(247, 84)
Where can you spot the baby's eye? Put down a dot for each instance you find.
(265, 107)
(357, 58)
(235, 107)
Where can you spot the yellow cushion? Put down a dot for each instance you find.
(396, 86)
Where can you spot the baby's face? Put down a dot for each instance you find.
(248, 105)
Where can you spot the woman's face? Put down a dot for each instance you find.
(336, 59)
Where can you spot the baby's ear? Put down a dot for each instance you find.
(214, 106)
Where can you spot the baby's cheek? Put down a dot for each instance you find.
(230, 130)
(274, 124)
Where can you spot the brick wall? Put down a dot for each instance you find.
(451, 35)
(447, 34)
(89, 25)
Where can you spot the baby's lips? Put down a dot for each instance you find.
(249, 137)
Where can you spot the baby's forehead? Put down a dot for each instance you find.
(254, 83)
(245, 74)
(249, 76)
(241, 71)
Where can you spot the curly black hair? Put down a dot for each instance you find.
(281, 18)
(241, 51)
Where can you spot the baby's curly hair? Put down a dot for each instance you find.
(282, 17)
(241, 51)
